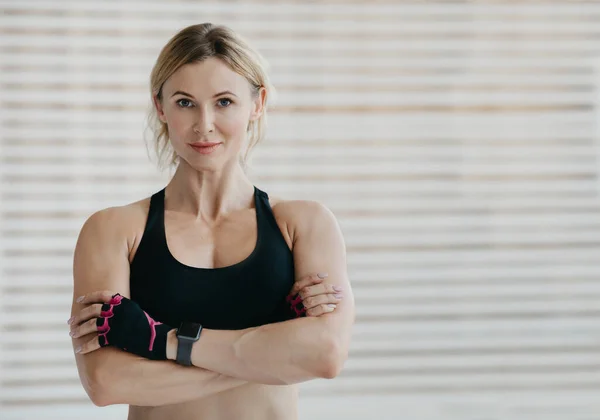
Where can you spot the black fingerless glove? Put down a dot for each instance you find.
(296, 305)
(124, 324)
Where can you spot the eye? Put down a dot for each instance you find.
(179, 102)
(226, 100)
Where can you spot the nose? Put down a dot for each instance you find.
(204, 121)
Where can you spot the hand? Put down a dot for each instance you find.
(117, 321)
(309, 297)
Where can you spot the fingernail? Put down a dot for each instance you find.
(71, 333)
(337, 289)
(322, 275)
(332, 305)
(338, 295)
(78, 349)
(80, 299)
(70, 320)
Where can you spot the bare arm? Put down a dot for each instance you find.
(112, 376)
(296, 350)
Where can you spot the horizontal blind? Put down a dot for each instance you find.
(457, 143)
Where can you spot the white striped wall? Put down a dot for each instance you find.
(457, 142)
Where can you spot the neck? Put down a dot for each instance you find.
(208, 195)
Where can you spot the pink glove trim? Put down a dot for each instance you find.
(105, 328)
(153, 325)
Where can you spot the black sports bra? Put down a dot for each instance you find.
(247, 294)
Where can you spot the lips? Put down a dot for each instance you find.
(204, 148)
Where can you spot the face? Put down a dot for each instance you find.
(207, 108)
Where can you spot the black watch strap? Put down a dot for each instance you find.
(184, 352)
(187, 334)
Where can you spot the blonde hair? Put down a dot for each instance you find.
(194, 44)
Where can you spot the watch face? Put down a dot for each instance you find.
(189, 329)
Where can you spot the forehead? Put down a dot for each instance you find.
(204, 79)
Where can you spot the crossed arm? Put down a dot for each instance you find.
(296, 350)
(283, 353)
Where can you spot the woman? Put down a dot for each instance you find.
(188, 304)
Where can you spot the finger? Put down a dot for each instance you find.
(87, 327)
(89, 346)
(100, 296)
(321, 309)
(92, 311)
(307, 281)
(318, 289)
(311, 302)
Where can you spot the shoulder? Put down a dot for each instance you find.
(117, 217)
(303, 216)
(117, 225)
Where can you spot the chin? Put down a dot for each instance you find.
(205, 166)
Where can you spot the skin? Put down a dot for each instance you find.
(243, 374)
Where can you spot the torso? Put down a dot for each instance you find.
(197, 246)
(247, 402)
(223, 246)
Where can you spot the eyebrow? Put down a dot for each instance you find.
(214, 96)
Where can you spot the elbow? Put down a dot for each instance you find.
(97, 391)
(334, 360)
(99, 398)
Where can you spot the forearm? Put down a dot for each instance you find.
(123, 378)
(276, 354)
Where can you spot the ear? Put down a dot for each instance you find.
(258, 104)
(159, 109)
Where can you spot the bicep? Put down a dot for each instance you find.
(100, 262)
(319, 247)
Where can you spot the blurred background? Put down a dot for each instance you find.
(456, 141)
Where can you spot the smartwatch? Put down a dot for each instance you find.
(187, 334)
